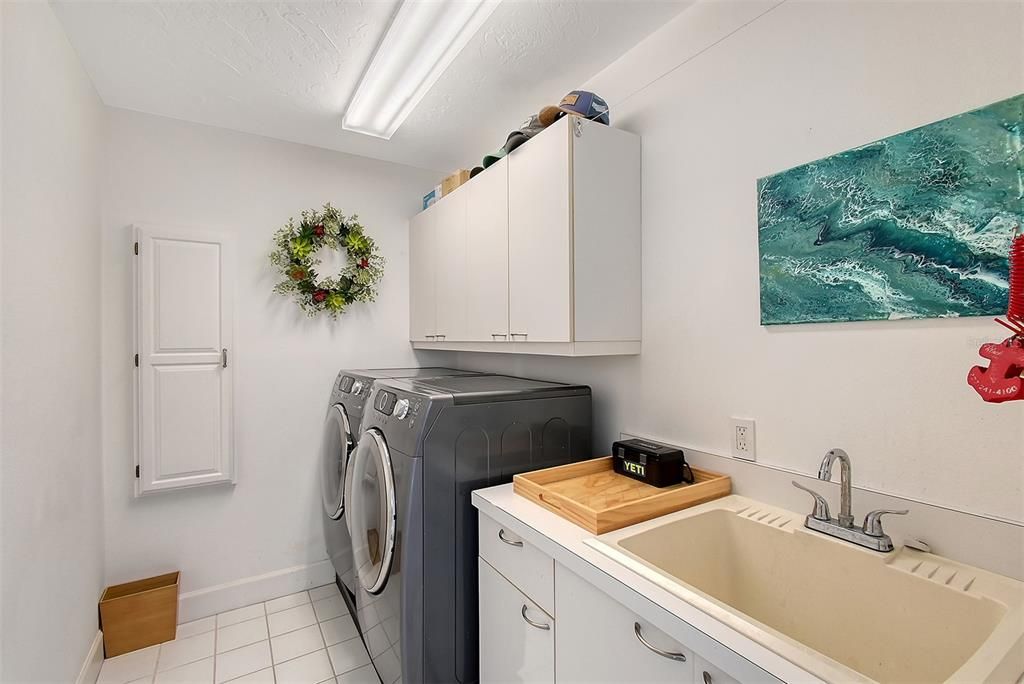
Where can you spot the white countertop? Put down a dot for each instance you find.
(564, 541)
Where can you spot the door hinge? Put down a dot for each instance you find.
(136, 249)
(136, 360)
(137, 471)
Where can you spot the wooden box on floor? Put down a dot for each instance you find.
(139, 614)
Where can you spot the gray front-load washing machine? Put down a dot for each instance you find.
(425, 446)
(340, 434)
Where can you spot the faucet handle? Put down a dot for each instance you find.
(873, 521)
(821, 511)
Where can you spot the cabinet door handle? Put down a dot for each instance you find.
(430, 337)
(651, 647)
(224, 358)
(515, 335)
(440, 338)
(707, 677)
(495, 336)
(538, 625)
(510, 542)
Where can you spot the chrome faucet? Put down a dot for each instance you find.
(870, 534)
(845, 494)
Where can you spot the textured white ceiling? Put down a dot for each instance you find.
(287, 70)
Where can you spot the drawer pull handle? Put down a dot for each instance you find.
(707, 677)
(510, 542)
(538, 625)
(651, 647)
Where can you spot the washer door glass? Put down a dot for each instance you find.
(371, 510)
(335, 447)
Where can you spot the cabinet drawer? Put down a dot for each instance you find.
(528, 568)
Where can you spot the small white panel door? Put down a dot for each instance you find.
(450, 265)
(517, 639)
(184, 390)
(600, 640)
(422, 265)
(487, 255)
(539, 231)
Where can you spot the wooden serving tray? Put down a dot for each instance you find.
(595, 497)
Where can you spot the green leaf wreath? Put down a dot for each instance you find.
(295, 257)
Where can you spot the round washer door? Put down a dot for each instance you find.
(372, 514)
(335, 447)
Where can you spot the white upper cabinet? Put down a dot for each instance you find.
(183, 309)
(538, 254)
(540, 237)
(422, 270)
(487, 255)
(450, 264)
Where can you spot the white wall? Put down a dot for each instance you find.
(804, 81)
(168, 172)
(52, 533)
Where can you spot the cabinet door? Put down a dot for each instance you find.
(540, 288)
(184, 431)
(450, 267)
(599, 640)
(514, 644)
(422, 288)
(487, 255)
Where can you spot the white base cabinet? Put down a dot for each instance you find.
(541, 622)
(517, 638)
(600, 640)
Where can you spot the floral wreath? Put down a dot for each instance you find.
(295, 258)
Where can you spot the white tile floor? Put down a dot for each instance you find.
(303, 638)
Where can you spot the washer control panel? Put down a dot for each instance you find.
(401, 409)
(385, 402)
(404, 408)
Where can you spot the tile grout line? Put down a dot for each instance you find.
(156, 663)
(215, 630)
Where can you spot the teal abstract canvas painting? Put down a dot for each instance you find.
(916, 225)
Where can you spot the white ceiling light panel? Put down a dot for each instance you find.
(424, 37)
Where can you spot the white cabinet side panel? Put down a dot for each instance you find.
(422, 286)
(606, 234)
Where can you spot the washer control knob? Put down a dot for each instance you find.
(401, 409)
(357, 387)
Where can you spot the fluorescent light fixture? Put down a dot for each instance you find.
(424, 37)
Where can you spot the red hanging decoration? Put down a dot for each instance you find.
(1002, 380)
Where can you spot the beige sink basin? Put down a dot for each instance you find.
(838, 611)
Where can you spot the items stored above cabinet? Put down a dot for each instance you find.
(539, 254)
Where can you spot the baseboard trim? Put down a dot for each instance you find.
(202, 603)
(90, 671)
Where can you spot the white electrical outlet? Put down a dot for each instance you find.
(744, 443)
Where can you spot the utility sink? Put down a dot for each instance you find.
(841, 612)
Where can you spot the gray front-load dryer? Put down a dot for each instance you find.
(425, 445)
(340, 434)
